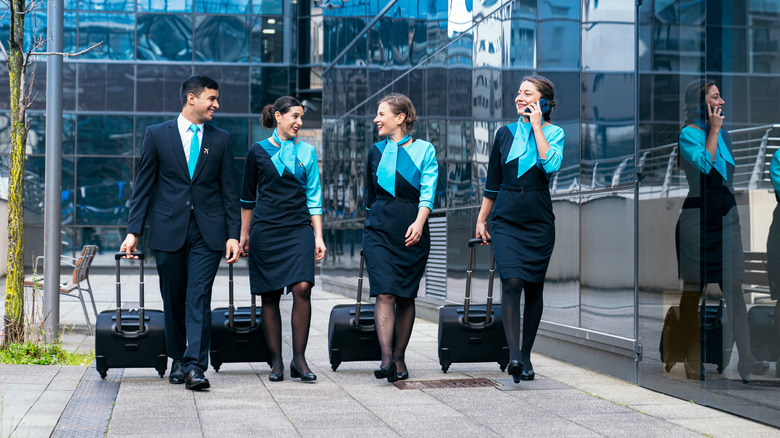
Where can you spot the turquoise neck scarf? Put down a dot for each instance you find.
(385, 173)
(286, 156)
(523, 148)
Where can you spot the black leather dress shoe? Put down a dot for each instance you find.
(196, 381)
(176, 375)
(514, 369)
(305, 377)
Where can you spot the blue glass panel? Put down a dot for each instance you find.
(764, 50)
(607, 47)
(608, 10)
(221, 38)
(106, 87)
(141, 123)
(238, 127)
(559, 45)
(157, 87)
(165, 5)
(36, 136)
(105, 135)
(267, 7)
(233, 87)
(114, 30)
(106, 5)
(559, 9)
(164, 37)
(267, 39)
(103, 190)
(222, 7)
(521, 43)
(35, 187)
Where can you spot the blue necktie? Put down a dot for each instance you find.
(722, 151)
(523, 148)
(194, 150)
(385, 172)
(286, 156)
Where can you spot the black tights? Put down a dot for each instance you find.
(511, 290)
(394, 316)
(301, 320)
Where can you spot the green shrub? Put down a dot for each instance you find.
(43, 354)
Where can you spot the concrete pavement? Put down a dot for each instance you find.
(563, 400)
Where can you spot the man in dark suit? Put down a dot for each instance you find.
(187, 179)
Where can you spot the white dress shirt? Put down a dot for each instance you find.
(186, 134)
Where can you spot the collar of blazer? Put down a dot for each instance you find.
(205, 145)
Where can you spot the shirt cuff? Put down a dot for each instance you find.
(248, 204)
(490, 194)
(428, 204)
(315, 211)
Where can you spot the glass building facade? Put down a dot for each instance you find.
(621, 72)
(256, 50)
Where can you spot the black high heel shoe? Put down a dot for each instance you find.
(389, 372)
(276, 377)
(305, 377)
(528, 371)
(514, 369)
(745, 369)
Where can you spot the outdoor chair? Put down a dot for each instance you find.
(74, 287)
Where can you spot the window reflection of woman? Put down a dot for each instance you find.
(524, 155)
(401, 179)
(773, 249)
(709, 242)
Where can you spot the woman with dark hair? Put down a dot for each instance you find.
(709, 241)
(401, 181)
(524, 155)
(281, 229)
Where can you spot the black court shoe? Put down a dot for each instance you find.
(305, 377)
(528, 371)
(514, 369)
(276, 377)
(389, 372)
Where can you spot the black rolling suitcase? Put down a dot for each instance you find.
(352, 331)
(470, 333)
(764, 343)
(122, 340)
(674, 344)
(237, 334)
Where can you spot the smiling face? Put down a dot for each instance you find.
(713, 98)
(388, 123)
(201, 108)
(288, 124)
(527, 94)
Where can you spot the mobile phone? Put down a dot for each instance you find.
(543, 105)
(703, 111)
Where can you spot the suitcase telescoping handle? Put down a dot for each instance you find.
(231, 306)
(359, 296)
(470, 266)
(141, 321)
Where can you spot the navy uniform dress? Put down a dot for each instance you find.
(773, 240)
(393, 268)
(523, 221)
(709, 242)
(281, 238)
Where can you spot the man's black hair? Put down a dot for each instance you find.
(195, 85)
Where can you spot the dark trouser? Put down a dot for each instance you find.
(186, 277)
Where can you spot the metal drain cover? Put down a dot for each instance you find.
(445, 383)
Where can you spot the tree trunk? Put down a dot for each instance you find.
(14, 284)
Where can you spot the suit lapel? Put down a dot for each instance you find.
(178, 147)
(205, 147)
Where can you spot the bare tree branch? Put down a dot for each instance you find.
(33, 5)
(8, 5)
(67, 55)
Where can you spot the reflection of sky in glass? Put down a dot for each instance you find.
(165, 5)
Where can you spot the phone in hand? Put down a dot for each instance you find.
(544, 105)
(703, 113)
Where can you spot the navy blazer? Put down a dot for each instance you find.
(163, 184)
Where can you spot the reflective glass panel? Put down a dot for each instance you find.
(114, 30)
(165, 5)
(103, 191)
(164, 37)
(267, 6)
(222, 7)
(157, 87)
(221, 38)
(106, 5)
(105, 135)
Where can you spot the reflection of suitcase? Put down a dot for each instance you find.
(472, 333)
(674, 344)
(353, 338)
(121, 341)
(237, 334)
(764, 343)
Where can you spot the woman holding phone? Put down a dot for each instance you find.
(708, 234)
(523, 156)
(401, 176)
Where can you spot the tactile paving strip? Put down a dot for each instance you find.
(445, 383)
(89, 411)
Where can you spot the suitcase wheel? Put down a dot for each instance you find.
(503, 367)
(216, 368)
(720, 369)
(668, 367)
(446, 367)
(103, 374)
(334, 366)
(162, 375)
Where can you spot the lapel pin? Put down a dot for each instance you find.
(206, 151)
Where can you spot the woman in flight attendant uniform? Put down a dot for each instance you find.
(281, 229)
(401, 181)
(524, 155)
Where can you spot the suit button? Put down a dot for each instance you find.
(187, 203)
